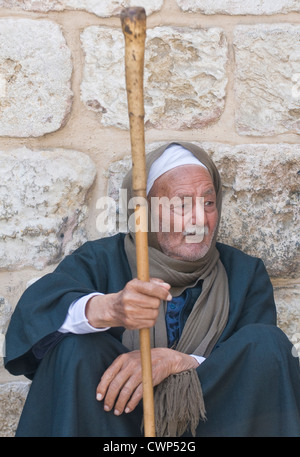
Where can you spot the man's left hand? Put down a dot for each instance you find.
(121, 384)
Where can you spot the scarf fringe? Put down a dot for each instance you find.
(179, 404)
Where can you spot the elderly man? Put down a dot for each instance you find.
(221, 367)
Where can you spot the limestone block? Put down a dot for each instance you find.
(267, 79)
(12, 399)
(185, 76)
(238, 7)
(42, 205)
(260, 212)
(103, 8)
(261, 202)
(35, 77)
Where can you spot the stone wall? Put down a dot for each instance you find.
(223, 74)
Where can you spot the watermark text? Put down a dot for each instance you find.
(185, 215)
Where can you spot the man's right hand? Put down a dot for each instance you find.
(134, 307)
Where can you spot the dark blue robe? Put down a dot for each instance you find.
(250, 381)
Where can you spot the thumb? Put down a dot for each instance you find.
(160, 282)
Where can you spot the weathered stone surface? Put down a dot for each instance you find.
(260, 212)
(261, 202)
(288, 306)
(238, 7)
(103, 8)
(103, 85)
(267, 78)
(185, 76)
(12, 398)
(42, 205)
(35, 76)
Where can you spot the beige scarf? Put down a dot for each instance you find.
(175, 412)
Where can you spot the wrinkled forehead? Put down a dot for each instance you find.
(184, 180)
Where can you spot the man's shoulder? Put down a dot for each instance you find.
(110, 245)
(108, 241)
(230, 254)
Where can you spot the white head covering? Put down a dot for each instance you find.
(174, 156)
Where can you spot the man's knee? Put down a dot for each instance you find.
(93, 351)
(266, 340)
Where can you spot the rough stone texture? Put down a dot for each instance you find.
(42, 205)
(103, 84)
(239, 7)
(12, 398)
(35, 75)
(267, 79)
(185, 76)
(260, 204)
(103, 8)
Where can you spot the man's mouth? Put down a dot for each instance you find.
(195, 233)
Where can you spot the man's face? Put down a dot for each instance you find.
(186, 183)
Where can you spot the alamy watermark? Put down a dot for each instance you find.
(295, 339)
(3, 85)
(296, 86)
(184, 215)
(2, 345)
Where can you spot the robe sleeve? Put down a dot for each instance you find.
(43, 307)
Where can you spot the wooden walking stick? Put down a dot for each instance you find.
(134, 29)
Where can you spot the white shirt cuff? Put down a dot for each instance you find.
(199, 358)
(76, 321)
